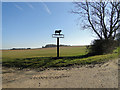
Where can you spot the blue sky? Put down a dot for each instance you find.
(29, 24)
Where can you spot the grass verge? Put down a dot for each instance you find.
(47, 62)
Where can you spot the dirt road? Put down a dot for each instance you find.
(98, 76)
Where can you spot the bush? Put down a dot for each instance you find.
(100, 47)
(118, 38)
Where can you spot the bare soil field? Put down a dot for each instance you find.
(89, 76)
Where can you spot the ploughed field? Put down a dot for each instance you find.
(46, 57)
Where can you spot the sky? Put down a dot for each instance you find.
(31, 24)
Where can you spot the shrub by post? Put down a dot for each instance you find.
(104, 46)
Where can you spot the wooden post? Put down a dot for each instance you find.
(58, 47)
(58, 36)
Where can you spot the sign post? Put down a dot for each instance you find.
(58, 35)
(57, 47)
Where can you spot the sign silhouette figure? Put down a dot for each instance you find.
(58, 31)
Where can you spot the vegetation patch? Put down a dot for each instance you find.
(47, 62)
(52, 62)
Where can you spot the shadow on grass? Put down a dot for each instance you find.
(73, 57)
(47, 62)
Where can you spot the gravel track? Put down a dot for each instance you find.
(89, 76)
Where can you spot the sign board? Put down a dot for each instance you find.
(57, 35)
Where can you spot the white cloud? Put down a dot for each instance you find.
(46, 8)
(17, 6)
(30, 5)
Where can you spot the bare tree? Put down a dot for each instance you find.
(101, 17)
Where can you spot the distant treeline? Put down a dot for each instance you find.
(53, 45)
(19, 48)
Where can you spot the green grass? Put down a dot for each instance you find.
(70, 56)
(45, 52)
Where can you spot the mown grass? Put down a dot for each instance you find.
(45, 62)
(8, 55)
